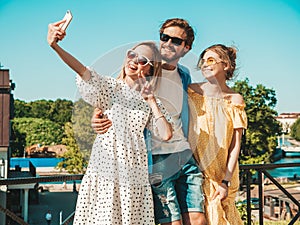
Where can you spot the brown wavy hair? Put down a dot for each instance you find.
(226, 54)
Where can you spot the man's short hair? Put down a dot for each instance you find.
(178, 22)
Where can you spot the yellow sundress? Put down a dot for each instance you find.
(212, 122)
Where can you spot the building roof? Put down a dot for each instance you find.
(292, 115)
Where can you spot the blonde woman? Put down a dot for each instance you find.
(217, 122)
(115, 188)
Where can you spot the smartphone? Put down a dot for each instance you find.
(68, 17)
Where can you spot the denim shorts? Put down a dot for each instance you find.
(176, 182)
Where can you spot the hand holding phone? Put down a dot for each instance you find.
(68, 17)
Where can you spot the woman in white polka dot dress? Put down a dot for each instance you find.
(115, 188)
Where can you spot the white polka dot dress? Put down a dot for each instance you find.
(115, 188)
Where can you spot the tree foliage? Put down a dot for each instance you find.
(79, 139)
(21, 109)
(73, 160)
(81, 121)
(18, 142)
(39, 122)
(295, 130)
(30, 131)
(59, 111)
(260, 138)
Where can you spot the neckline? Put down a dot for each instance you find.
(214, 98)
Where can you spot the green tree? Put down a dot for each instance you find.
(260, 139)
(41, 109)
(18, 143)
(35, 131)
(295, 130)
(21, 109)
(73, 161)
(59, 111)
(83, 132)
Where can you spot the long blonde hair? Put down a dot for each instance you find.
(156, 69)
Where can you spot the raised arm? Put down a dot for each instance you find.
(56, 34)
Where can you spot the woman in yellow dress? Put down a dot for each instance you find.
(217, 122)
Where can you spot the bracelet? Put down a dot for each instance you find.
(157, 118)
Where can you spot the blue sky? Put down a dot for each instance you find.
(267, 34)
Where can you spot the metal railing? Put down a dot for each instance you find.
(33, 180)
(245, 170)
(262, 170)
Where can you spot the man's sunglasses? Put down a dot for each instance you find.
(174, 40)
(209, 62)
(141, 60)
